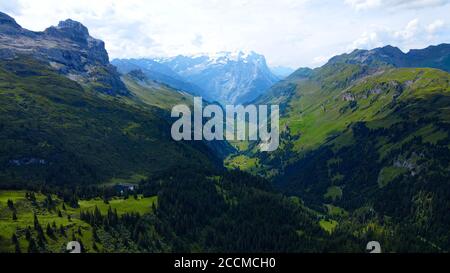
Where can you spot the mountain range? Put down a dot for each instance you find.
(86, 152)
(225, 77)
(433, 56)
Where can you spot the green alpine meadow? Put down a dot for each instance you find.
(87, 152)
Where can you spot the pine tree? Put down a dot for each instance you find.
(17, 248)
(14, 239)
(36, 222)
(97, 216)
(49, 231)
(50, 200)
(10, 204)
(16, 243)
(94, 247)
(62, 231)
(32, 248)
(30, 196)
(41, 240)
(95, 235)
(74, 202)
(28, 233)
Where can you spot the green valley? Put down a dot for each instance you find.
(87, 154)
(365, 135)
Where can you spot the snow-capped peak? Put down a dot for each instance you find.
(223, 57)
(227, 76)
(230, 56)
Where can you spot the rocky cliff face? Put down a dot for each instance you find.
(68, 48)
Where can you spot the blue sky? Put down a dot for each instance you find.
(291, 33)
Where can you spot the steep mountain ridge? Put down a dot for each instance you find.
(68, 48)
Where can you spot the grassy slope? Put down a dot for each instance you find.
(317, 111)
(324, 108)
(44, 116)
(157, 95)
(397, 167)
(25, 214)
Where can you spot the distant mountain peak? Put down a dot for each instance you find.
(433, 56)
(223, 57)
(391, 49)
(235, 77)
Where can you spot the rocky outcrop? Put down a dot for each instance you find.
(137, 74)
(348, 97)
(67, 48)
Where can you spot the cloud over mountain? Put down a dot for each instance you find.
(413, 33)
(289, 33)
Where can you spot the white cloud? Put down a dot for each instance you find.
(409, 31)
(413, 35)
(366, 41)
(198, 40)
(395, 4)
(288, 32)
(363, 4)
(435, 26)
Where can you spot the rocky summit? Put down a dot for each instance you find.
(67, 48)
